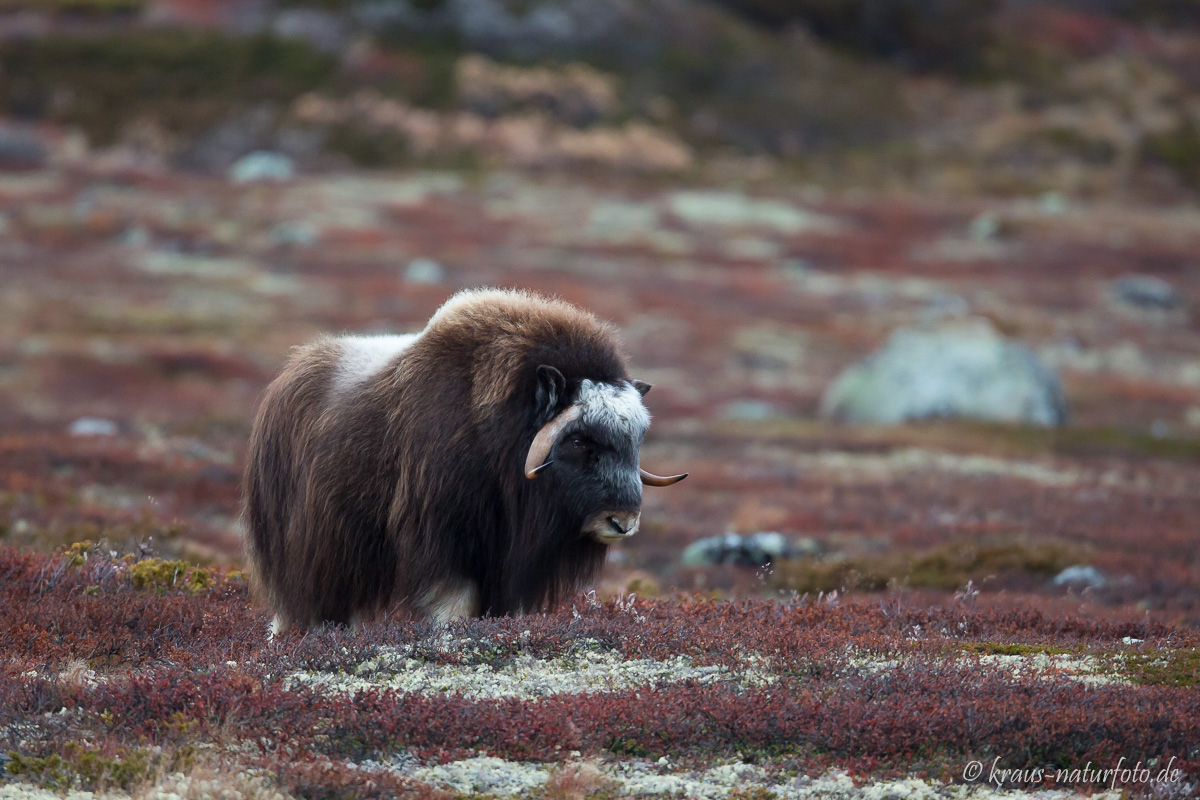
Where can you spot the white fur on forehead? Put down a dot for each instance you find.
(615, 407)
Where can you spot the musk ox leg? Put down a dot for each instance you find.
(449, 600)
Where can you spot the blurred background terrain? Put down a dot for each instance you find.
(913, 279)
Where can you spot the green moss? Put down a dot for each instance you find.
(1118, 441)
(88, 7)
(1164, 667)
(47, 771)
(753, 793)
(1179, 150)
(77, 553)
(387, 149)
(948, 567)
(984, 438)
(1075, 142)
(368, 148)
(828, 576)
(184, 80)
(199, 581)
(628, 747)
(78, 767)
(157, 574)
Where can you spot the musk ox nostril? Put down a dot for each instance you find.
(623, 523)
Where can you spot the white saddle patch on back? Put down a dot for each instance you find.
(364, 356)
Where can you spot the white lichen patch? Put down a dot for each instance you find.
(201, 784)
(211, 785)
(27, 791)
(1082, 669)
(522, 677)
(840, 786)
(485, 775)
(642, 778)
(1042, 666)
(908, 460)
(497, 777)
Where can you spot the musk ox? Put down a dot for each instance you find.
(479, 467)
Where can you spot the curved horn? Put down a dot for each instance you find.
(546, 437)
(650, 479)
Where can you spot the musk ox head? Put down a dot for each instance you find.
(587, 453)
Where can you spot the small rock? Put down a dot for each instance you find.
(324, 30)
(136, 236)
(1145, 292)
(805, 546)
(708, 209)
(750, 410)
(942, 306)
(1080, 577)
(217, 148)
(297, 234)
(796, 268)
(771, 544)
(985, 226)
(709, 552)
(755, 550)
(20, 148)
(262, 165)
(424, 272)
(93, 426)
(1131, 640)
(960, 369)
(1052, 203)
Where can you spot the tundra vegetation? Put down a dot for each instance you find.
(918, 627)
(955, 590)
(111, 684)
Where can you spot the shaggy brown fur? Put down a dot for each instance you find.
(412, 480)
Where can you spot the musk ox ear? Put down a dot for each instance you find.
(642, 387)
(551, 388)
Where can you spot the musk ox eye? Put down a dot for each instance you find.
(578, 442)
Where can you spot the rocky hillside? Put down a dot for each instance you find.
(949, 97)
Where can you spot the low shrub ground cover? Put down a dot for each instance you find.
(111, 681)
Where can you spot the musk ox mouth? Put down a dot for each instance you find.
(613, 526)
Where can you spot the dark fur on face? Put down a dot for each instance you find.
(388, 482)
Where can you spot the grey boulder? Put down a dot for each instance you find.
(963, 369)
(754, 550)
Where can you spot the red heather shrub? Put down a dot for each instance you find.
(326, 780)
(877, 689)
